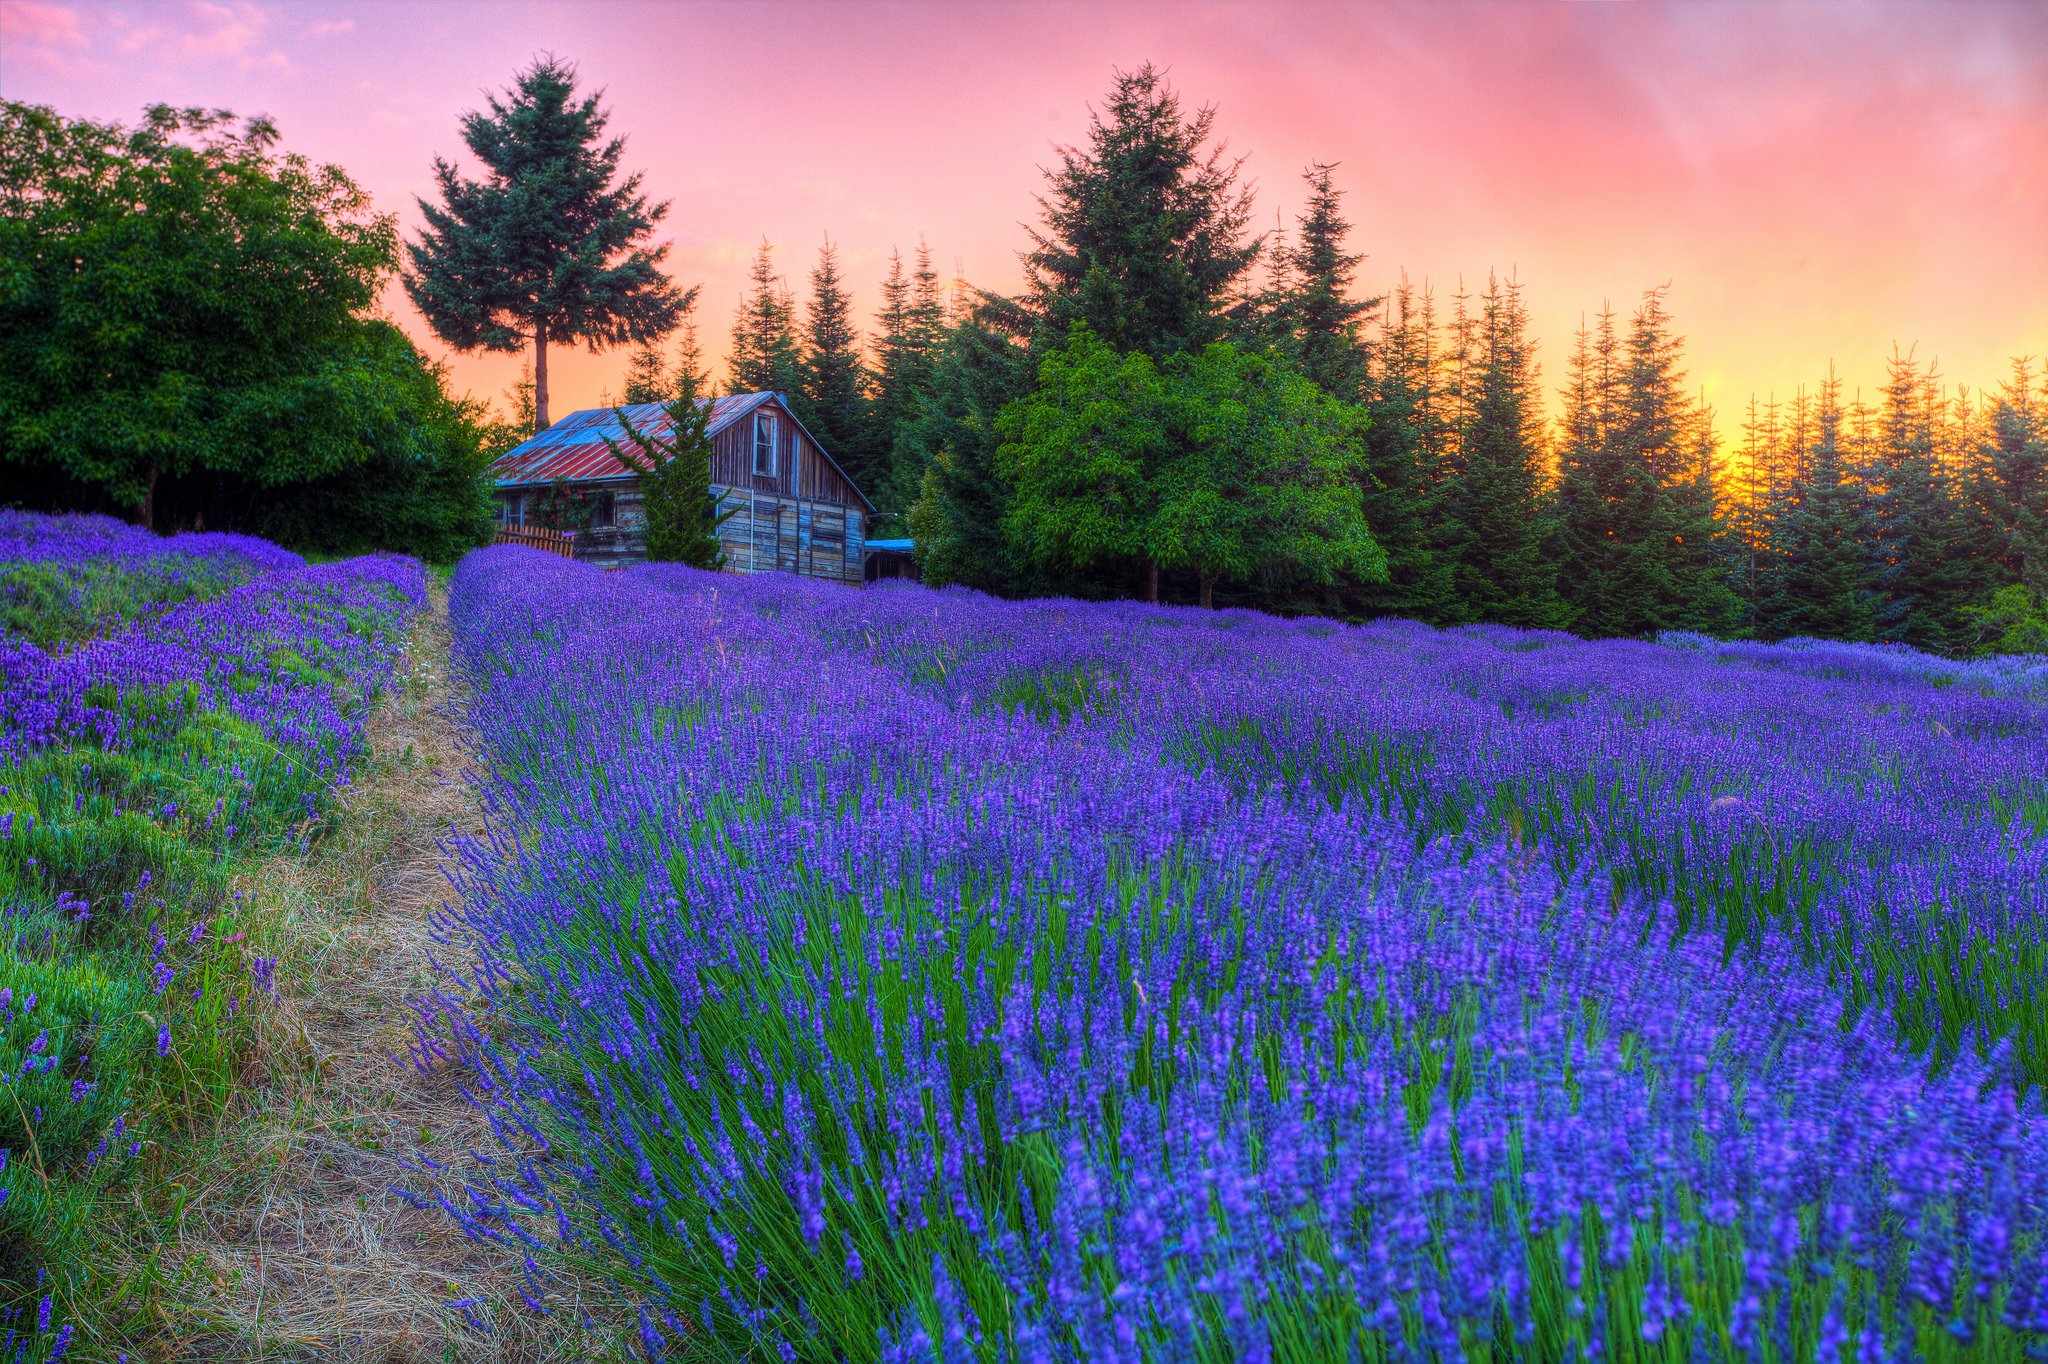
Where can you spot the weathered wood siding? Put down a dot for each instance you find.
(768, 533)
(802, 472)
(804, 518)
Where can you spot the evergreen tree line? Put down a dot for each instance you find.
(1177, 404)
(1891, 521)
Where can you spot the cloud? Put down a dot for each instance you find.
(331, 28)
(40, 24)
(204, 32)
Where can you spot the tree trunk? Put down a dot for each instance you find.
(145, 514)
(540, 376)
(1208, 591)
(1152, 581)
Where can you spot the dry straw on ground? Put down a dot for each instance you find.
(298, 1249)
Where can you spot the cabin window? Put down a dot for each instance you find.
(603, 507)
(764, 443)
(508, 510)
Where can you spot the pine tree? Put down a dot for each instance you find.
(546, 246)
(957, 517)
(1920, 530)
(765, 357)
(1495, 506)
(652, 378)
(683, 511)
(832, 400)
(1606, 496)
(1825, 535)
(646, 377)
(1759, 502)
(1642, 546)
(1322, 321)
(1405, 465)
(1144, 234)
(2010, 485)
(689, 369)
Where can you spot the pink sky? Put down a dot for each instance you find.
(1816, 181)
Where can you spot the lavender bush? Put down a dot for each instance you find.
(912, 975)
(185, 703)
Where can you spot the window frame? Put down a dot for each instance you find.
(766, 421)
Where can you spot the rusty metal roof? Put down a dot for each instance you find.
(573, 448)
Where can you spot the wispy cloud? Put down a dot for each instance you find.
(331, 28)
(49, 34)
(236, 34)
(40, 23)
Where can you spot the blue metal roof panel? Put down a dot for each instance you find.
(574, 449)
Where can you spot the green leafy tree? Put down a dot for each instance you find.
(546, 246)
(682, 509)
(420, 484)
(765, 357)
(178, 302)
(1220, 463)
(183, 336)
(1144, 237)
(833, 397)
(2013, 621)
(1266, 483)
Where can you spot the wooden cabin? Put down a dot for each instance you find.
(795, 510)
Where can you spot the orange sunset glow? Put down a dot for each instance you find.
(1817, 182)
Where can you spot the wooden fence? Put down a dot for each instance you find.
(553, 541)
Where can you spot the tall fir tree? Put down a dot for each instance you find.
(911, 328)
(1641, 534)
(672, 456)
(832, 399)
(546, 247)
(1606, 497)
(1759, 500)
(1406, 460)
(1673, 435)
(1322, 322)
(2010, 483)
(956, 520)
(1920, 534)
(646, 377)
(1496, 506)
(765, 357)
(652, 377)
(1144, 235)
(1824, 535)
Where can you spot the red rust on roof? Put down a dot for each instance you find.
(574, 449)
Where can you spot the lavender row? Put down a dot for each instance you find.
(914, 976)
(208, 719)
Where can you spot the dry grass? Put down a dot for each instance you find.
(296, 1248)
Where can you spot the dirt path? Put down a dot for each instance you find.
(302, 1251)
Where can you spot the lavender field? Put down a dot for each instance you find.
(170, 709)
(918, 975)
